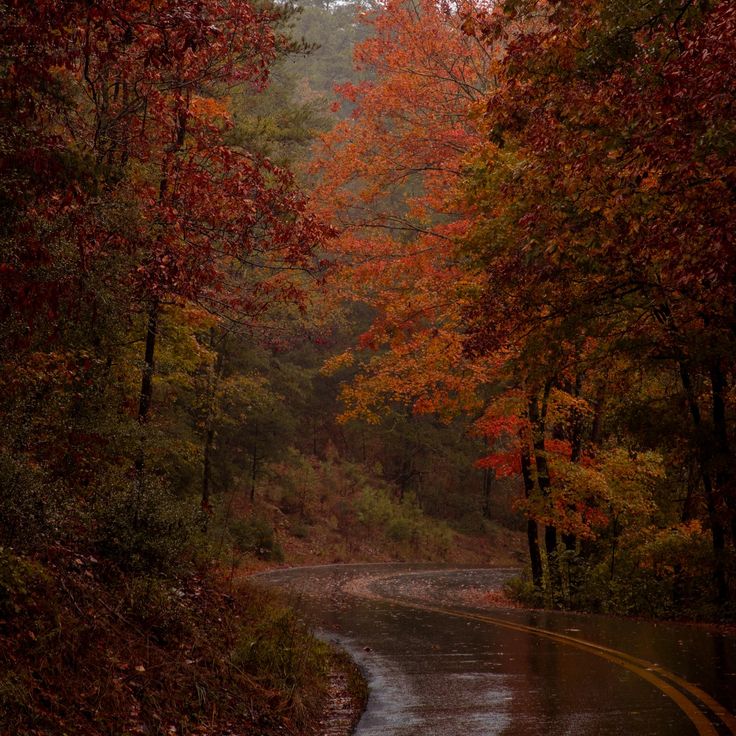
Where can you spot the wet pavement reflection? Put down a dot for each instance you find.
(430, 673)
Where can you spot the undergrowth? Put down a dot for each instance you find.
(86, 649)
(114, 620)
(345, 510)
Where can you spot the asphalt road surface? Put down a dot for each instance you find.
(441, 662)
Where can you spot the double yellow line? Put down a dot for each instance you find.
(689, 698)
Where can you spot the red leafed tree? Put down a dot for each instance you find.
(119, 191)
(608, 191)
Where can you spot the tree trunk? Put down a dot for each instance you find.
(254, 468)
(154, 308)
(704, 460)
(532, 532)
(215, 373)
(144, 404)
(596, 429)
(209, 437)
(722, 459)
(487, 485)
(576, 449)
(538, 418)
(576, 421)
(146, 394)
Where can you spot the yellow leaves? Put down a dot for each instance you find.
(337, 363)
(564, 406)
(673, 545)
(586, 497)
(197, 318)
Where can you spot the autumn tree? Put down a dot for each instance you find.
(388, 173)
(130, 194)
(593, 146)
(607, 189)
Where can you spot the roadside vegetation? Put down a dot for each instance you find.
(88, 649)
(438, 282)
(312, 510)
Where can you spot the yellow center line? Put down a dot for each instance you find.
(648, 671)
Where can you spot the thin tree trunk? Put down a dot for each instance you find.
(487, 485)
(576, 429)
(254, 467)
(538, 420)
(144, 404)
(532, 531)
(693, 482)
(209, 434)
(209, 437)
(596, 429)
(614, 542)
(215, 373)
(723, 459)
(146, 393)
(576, 450)
(704, 460)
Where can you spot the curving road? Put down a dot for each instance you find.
(438, 664)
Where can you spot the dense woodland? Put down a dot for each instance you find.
(399, 279)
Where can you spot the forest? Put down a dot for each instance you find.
(351, 281)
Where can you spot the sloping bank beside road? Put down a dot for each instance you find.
(89, 648)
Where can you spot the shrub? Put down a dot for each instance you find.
(300, 529)
(155, 606)
(403, 523)
(32, 507)
(296, 484)
(147, 529)
(522, 589)
(256, 536)
(18, 576)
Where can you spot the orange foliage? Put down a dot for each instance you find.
(389, 177)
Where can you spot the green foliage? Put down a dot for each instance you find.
(278, 123)
(658, 573)
(18, 577)
(31, 504)
(255, 536)
(403, 523)
(346, 511)
(157, 606)
(15, 693)
(300, 529)
(296, 481)
(146, 528)
(336, 29)
(281, 653)
(522, 589)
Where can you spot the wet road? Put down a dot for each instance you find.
(439, 665)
